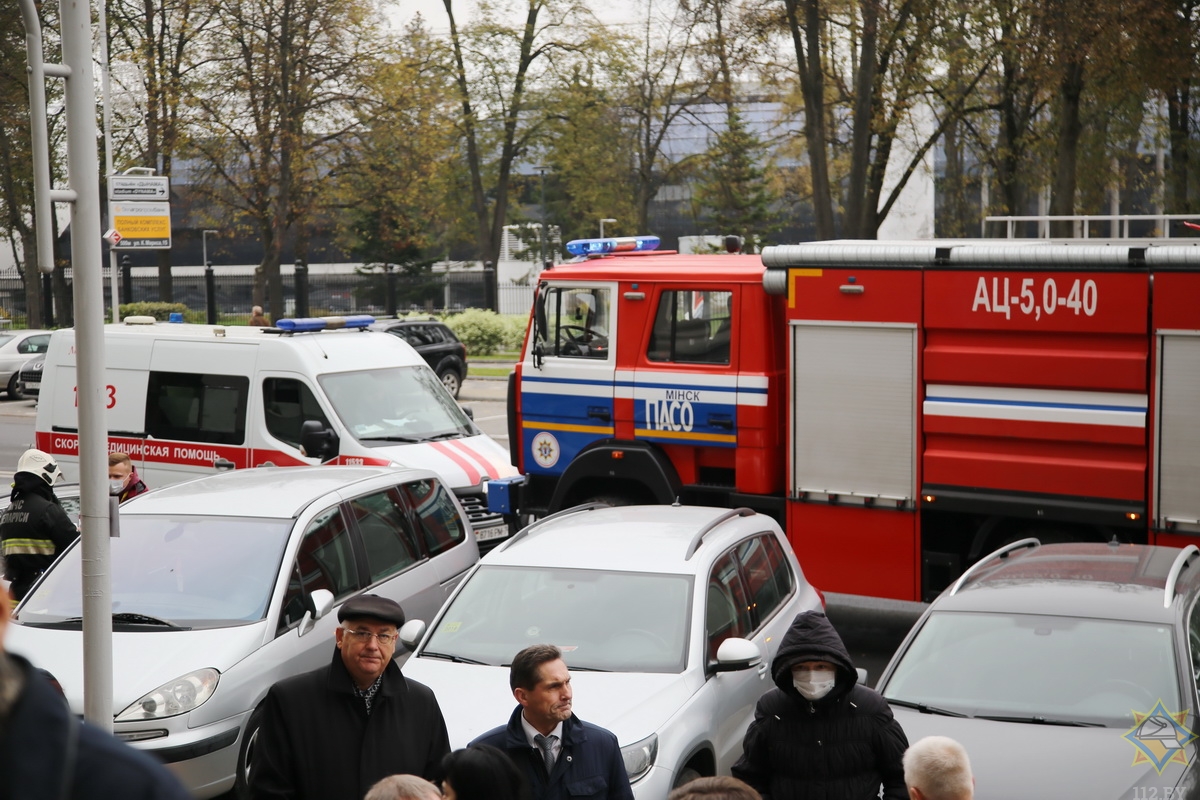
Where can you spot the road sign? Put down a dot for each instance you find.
(142, 226)
(112, 237)
(139, 187)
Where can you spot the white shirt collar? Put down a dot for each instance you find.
(531, 732)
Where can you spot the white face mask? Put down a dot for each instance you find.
(815, 683)
(116, 485)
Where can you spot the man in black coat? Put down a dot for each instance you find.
(34, 529)
(332, 733)
(48, 754)
(562, 757)
(819, 734)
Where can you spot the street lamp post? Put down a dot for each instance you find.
(210, 280)
(541, 168)
(606, 219)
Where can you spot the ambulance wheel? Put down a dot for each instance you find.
(14, 387)
(246, 755)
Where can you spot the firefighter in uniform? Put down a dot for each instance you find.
(34, 529)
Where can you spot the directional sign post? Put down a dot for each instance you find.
(139, 212)
(139, 187)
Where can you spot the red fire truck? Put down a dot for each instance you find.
(901, 408)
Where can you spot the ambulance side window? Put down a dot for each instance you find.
(692, 327)
(576, 321)
(287, 404)
(197, 408)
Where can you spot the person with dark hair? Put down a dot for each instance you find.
(720, 788)
(556, 751)
(46, 752)
(34, 529)
(819, 733)
(123, 478)
(482, 772)
(333, 733)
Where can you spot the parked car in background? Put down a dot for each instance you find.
(223, 585)
(16, 348)
(29, 378)
(668, 618)
(1066, 670)
(436, 343)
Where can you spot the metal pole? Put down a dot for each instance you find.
(606, 219)
(83, 168)
(210, 280)
(301, 288)
(542, 172)
(126, 280)
(106, 90)
(389, 281)
(42, 193)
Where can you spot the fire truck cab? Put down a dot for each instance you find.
(901, 408)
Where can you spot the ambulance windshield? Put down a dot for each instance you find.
(405, 405)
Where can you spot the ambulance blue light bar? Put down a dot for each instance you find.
(621, 244)
(324, 323)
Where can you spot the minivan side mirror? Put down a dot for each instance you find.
(317, 440)
(411, 634)
(320, 602)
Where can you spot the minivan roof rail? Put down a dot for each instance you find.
(707, 529)
(1176, 568)
(531, 527)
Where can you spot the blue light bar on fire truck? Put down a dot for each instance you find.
(324, 323)
(621, 244)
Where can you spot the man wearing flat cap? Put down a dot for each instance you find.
(332, 733)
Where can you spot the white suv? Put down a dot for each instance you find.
(667, 616)
(223, 585)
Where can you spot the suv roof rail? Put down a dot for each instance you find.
(1003, 552)
(1176, 568)
(537, 523)
(707, 529)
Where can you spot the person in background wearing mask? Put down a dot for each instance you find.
(34, 529)
(820, 733)
(123, 479)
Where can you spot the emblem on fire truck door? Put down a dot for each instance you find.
(546, 449)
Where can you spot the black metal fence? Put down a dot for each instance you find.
(321, 289)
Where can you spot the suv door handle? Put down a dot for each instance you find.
(223, 464)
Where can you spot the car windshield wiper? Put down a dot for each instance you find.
(447, 435)
(405, 439)
(455, 659)
(1070, 723)
(925, 709)
(577, 668)
(130, 617)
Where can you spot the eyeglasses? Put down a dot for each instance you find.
(362, 637)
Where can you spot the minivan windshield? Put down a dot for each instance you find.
(396, 404)
(190, 571)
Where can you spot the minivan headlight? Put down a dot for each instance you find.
(174, 697)
(639, 756)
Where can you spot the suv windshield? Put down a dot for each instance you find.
(611, 621)
(1053, 668)
(196, 572)
(399, 404)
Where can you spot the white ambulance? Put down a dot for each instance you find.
(187, 400)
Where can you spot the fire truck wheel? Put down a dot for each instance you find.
(608, 500)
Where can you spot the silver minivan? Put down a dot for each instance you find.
(223, 585)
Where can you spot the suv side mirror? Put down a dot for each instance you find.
(411, 634)
(736, 654)
(317, 440)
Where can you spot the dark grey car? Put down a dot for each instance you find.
(436, 343)
(1066, 670)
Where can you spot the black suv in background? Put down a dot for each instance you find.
(436, 343)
